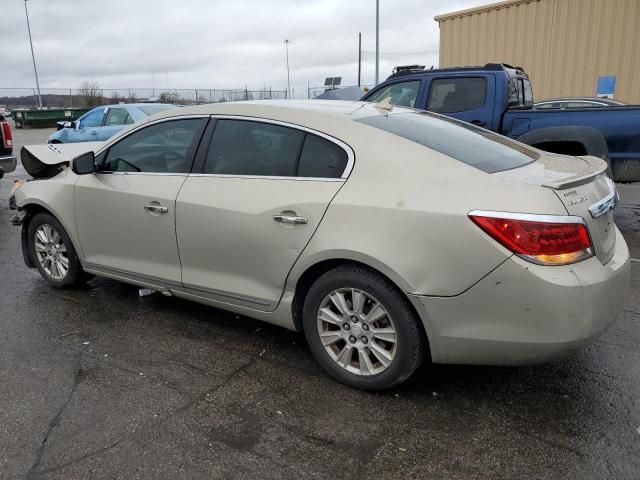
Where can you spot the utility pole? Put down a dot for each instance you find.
(359, 56)
(377, 41)
(286, 44)
(33, 57)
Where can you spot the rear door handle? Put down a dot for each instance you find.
(156, 209)
(479, 123)
(94, 132)
(291, 219)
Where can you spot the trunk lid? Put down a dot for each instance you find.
(44, 161)
(582, 185)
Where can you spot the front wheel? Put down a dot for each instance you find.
(361, 329)
(52, 252)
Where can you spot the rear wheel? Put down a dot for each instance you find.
(52, 252)
(361, 329)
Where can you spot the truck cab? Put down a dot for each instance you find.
(499, 97)
(478, 95)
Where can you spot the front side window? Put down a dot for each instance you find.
(467, 143)
(118, 116)
(403, 94)
(242, 147)
(451, 95)
(93, 118)
(160, 148)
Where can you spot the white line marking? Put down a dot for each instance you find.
(635, 260)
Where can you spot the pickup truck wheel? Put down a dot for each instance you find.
(361, 329)
(52, 252)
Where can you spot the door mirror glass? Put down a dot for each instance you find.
(84, 164)
(75, 125)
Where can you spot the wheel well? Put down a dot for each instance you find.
(563, 147)
(32, 210)
(316, 271)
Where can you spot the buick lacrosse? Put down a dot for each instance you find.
(387, 235)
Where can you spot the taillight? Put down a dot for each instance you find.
(6, 134)
(542, 239)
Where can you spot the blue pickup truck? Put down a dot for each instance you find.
(499, 97)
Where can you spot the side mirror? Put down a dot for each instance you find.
(75, 124)
(84, 164)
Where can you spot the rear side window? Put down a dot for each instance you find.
(245, 147)
(242, 147)
(451, 95)
(118, 116)
(467, 143)
(321, 158)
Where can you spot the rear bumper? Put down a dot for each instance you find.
(523, 313)
(8, 163)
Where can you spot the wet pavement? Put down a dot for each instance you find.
(100, 383)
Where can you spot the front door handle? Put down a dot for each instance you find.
(292, 219)
(94, 132)
(156, 209)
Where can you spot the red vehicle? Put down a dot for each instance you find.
(7, 159)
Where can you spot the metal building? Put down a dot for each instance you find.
(568, 47)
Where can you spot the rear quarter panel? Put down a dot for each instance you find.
(404, 212)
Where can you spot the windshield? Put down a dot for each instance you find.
(151, 109)
(467, 143)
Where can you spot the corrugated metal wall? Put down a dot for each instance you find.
(564, 45)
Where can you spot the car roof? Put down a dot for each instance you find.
(280, 109)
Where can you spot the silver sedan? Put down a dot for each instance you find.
(389, 236)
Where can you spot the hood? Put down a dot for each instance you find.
(557, 171)
(44, 161)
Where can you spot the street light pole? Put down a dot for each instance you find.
(286, 43)
(377, 41)
(33, 57)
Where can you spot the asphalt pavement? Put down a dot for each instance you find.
(101, 383)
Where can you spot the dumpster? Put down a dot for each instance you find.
(46, 118)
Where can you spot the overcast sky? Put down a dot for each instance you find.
(213, 43)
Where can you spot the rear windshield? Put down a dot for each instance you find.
(467, 143)
(151, 109)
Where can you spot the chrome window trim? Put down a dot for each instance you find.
(530, 217)
(269, 177)
(344, 146)
(168, 174)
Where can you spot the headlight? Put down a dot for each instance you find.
(16, 186)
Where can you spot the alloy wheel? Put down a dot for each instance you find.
(51, 252)
(357, 331)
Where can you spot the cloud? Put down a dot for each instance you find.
(212, 43)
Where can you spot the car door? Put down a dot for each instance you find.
(87, 126)
(116, 119)
(243, 221)
(125, 212)
(468, 98)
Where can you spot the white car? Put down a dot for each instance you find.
(386, 234)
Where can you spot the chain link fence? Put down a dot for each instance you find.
(313, 92)
(14, 98)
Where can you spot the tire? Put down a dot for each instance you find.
(52, 251)
(358, 289)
